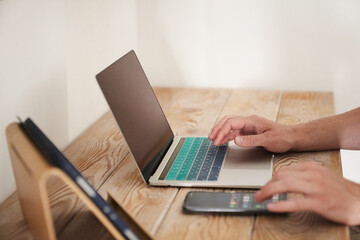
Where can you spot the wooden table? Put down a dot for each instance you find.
(102, 156)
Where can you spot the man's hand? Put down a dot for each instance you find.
(253, 131)
(326, 193)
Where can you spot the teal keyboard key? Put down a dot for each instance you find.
(175, 168)
(189, 159)
(198, 159)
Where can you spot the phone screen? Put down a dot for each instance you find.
(227, 202)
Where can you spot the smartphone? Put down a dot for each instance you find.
(227, 202)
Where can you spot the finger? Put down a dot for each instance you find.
(232, 135)
(294, 185)
(295, 205)
(249, 141)
(218, 126)
(291, 179)
(227, 127)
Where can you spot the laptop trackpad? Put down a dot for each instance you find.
(247, 158)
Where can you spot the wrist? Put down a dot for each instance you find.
(295, 136)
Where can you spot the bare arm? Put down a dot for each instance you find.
(339, 131)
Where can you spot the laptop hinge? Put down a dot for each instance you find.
(151, 167)
(171, 159)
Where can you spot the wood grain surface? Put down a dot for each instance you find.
(102, 156)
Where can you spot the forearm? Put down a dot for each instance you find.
(335, 132)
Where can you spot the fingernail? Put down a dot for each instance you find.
(239, 139)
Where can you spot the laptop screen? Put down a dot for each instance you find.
(137, 111)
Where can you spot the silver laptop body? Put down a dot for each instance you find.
(155, 148)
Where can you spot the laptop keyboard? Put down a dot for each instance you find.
(198, 159)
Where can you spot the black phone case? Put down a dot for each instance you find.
(203, 209)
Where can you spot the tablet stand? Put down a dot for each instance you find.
(32, 171)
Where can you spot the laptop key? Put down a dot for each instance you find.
(175, 168)
(204, 172)
(195, 168)
(198, 159)
(189, 159)
(215, 170)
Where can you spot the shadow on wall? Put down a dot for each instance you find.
(154, 50)
(248, 44)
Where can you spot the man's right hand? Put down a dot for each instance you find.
(325, 193)
(253, 131)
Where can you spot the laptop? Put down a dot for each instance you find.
(164, 159)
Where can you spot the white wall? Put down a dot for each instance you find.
(299, 45)
(50, 51)
(32, 73)
(346, 51)
(99, 32)
(346, 75)
(62, 44)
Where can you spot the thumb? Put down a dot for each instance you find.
(248, 141)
